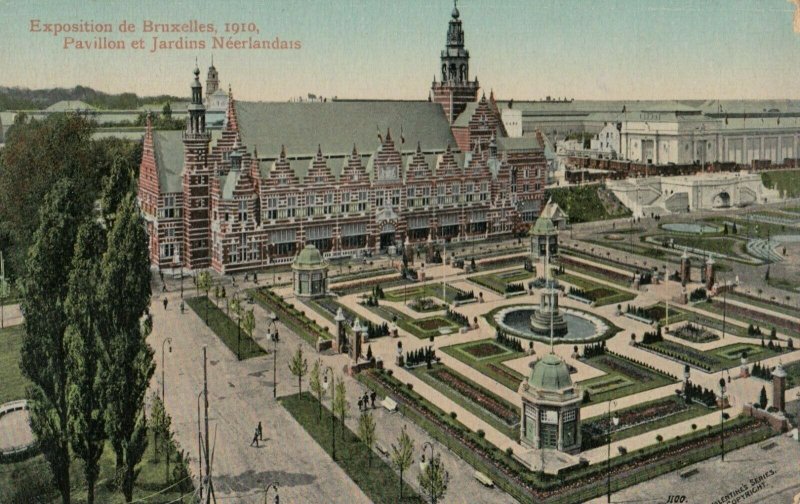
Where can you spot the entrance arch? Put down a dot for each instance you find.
(721, 200)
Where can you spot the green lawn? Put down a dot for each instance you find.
(792, 374)
(498, 281)
(379, 482)
(225, 328)
(720, 245)
(490, 365)
(420, 327)
(13, 383)
(474, 407)
(29, 481)
(600, 293)
(623, 377)
(587, 203)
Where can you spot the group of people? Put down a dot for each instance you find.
(366, 400)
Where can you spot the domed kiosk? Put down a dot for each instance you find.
(544, 236)
(310, 273)
(550, 407)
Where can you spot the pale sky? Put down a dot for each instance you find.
(523, 49)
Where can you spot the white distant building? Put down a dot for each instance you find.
(512, 120)
(607, 141)
(688, 136)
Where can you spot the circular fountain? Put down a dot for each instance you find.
(526, 321)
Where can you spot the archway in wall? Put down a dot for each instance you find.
(721, 200)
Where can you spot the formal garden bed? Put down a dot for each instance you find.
(501, 282)
(373, 475)
(781, 306)
(638, 419)
(360, 275)
(749, 315)
(725, 357)
(622, 377)
(471, 396)
(502, 262)
(578, 484)
(429, 290)
(694, 333)
(226, 329)
(657, 313)
(597, 271)
(345, 288)
(487, 357)
(436, 325)
(598, 294)
(291, 317)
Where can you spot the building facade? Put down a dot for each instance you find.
(345, 176)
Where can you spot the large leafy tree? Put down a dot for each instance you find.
(116, 186)
(44, 350)
(36, 156)
(85, 354)
(125, 295)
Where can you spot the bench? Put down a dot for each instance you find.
(389, 404)
(483, 479)
(688, 474)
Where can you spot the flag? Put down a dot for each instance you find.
(402, 137)
(380, 137)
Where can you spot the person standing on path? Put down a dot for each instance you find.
(360, 404)
(372, 398)
(255, 439)
(260, 432)
(165, 302)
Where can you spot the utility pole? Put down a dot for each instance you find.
(205, 400)
(3, 292)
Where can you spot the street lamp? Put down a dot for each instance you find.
(168, 340)
(423, 464)
(611, 421)
(325, 386)
(722, 415)
(200, 444)
(272, 330)
(266, 493)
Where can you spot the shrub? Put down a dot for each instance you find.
(509, 451)
(453, 415)
(659, 438)
(481, 433)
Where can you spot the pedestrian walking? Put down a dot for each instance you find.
(360, 404)
(183, 307)
(255, 439)
(165, 302)
(372, 399)
(260, 432)
(163, 287)
(366, 400)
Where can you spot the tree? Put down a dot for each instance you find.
(434, 479)
(315, 383)
(204, 284)
(299, 367)
(126, 276)
(161, 425)
(340, 404)
(403, 455)
(85, 359)
(366, 431)
(44, 348)
(762, 398)
(116, 186)
(249, 325)
(167, 111)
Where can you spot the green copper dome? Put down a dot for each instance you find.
(543, 227)
(309, 258)
(550, 374)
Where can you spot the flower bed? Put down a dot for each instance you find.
(596, 270)
(492, 404)
(363, 285)
(425, 305)
(431, 324)
(752, 316)
(504, 372)
(501, 262)
(482, 350)
(290, 316)
(623, 377)
(686, 354)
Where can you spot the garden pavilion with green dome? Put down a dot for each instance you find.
(551, 407)
(310, 273)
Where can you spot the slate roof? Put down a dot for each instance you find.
(336, 126)
(168, 149)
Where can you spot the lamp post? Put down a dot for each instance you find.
(615, 422)
(722, 416)
(272, 329)
(326, 385)
(168, 340)
(423, 464)
(266, 493)
(237, 309)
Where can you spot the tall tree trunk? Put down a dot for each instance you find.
(401, 483)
